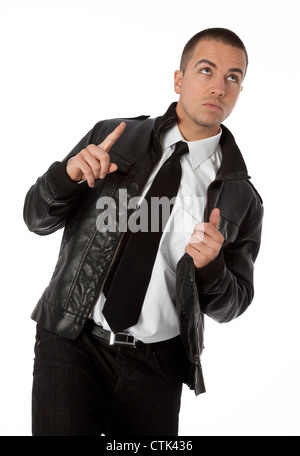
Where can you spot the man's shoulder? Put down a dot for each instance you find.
(254, 192)
(243, 191)
(139, 124)
(240, 201)
(113, 122)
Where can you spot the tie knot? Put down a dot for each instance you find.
(181, 148)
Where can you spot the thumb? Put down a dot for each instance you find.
(112, 168)
(215, 217)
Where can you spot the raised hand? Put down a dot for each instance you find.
(206, 241)
(93, 162)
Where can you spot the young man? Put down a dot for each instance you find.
(120, 326)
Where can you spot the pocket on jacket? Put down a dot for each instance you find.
(123, 164)
(228, 229)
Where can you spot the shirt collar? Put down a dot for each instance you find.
(199, 150)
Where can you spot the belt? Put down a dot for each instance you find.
(121, 338)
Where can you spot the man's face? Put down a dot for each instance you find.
(209, 88)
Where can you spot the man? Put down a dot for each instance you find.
(112, 352)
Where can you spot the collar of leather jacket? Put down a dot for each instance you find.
(232, 167)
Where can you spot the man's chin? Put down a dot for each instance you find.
(209, 121)
(208, 124)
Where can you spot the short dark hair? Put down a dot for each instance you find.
(222, 35)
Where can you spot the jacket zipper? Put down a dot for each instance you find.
(197, 358)
(206, 219)
(108, 270)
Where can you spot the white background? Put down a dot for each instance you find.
(65, 64)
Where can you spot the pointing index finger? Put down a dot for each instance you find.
(110, 140)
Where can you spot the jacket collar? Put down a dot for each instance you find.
(232, 167)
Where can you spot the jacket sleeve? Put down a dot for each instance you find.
(225, 286)
(52, 198)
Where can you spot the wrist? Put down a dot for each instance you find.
(209, 273)
(62, 183)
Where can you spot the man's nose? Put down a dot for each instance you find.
(218, 87)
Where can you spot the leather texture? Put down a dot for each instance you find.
(222, 290)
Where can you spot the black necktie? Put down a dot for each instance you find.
(127, 284)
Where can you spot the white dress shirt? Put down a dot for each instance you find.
(158, 319)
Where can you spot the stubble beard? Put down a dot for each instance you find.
(205, 124)
(201, 122)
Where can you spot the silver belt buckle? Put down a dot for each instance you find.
(127, 342)
(112, 339)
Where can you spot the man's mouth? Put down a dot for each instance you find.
(213, 106)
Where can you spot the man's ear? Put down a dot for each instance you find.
(178, 75)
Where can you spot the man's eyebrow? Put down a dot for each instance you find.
(236, 70)
(206, 61)
(212, 64)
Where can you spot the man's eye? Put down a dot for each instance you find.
(206, 71)
(233, 78)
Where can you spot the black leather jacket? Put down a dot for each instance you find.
(224, 288)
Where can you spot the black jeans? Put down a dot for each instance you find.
(85, 387)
